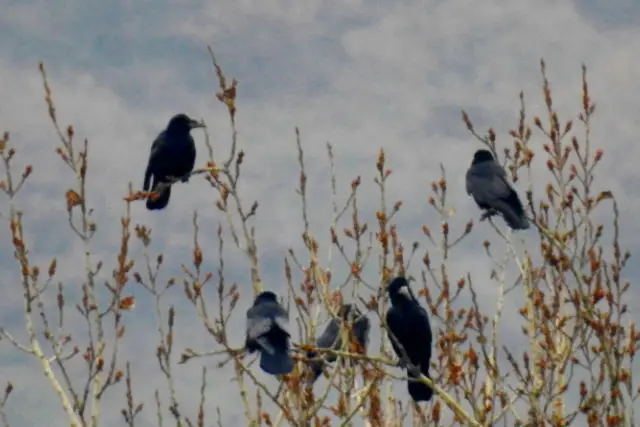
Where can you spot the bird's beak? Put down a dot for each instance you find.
(404, 291)
(193, 124)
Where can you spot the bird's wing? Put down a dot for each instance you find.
(395, 325)
(425, 319)
(499, 183)
(257, 324)
(363, 327)
(281, 319)
(502, 181)
(425, 351)
(487, 181)
(157, 147)
(156, 151)
(192, 149)
(469, 180)
(330, 336)
(266, 345)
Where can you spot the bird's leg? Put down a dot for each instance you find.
(402, 364)
(414, 370)
(488, 214)
(410, 367)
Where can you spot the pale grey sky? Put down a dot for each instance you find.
(362, 75)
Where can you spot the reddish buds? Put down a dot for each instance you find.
(380, 161)
(52, 267)
(197, 256)
(355, 183)
(73, 199)
(537, 121)
(599, 155)
(127, 303)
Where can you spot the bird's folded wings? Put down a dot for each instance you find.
(330, 336)
(282, 320)
(366, 327)
(500, 184)
(487, 181)
(258, 326)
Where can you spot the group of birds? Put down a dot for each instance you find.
(408, 328)
(172, 159)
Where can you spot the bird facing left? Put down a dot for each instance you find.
(173, 156)
(268, 333)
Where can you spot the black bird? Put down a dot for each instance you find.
(487, 184)
(173, 154)
(331, 337)
(409, 323)
(268, 333)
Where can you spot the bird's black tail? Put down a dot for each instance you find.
(419, 391)
(162, 201)
(278, 363)
(513, 212)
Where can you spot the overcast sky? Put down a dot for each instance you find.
(362, 75)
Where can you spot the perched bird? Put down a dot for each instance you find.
(487, 184)
(268, 333)
(409, 323)
(331, 337)
(173, 155)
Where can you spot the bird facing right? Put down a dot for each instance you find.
(268, 333)
(173, 155)
(408, 321)
(487, 183)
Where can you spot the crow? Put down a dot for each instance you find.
(267, 332)
(487, 184)
(331, 337)
(173, 154)
(409, 323)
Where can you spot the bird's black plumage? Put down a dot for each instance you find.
(173, 155)
(331, 337)
(408, 321)
(487, 183)
(268, 333)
